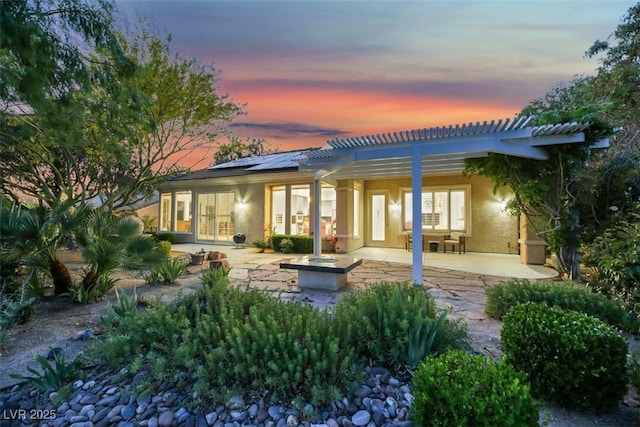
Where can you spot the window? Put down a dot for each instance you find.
(165, 212)
(442, 210)
(300, 197)
(356, 212)
(328, 212)
(278, 209)
(183, 211)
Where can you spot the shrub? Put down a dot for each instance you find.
(301, 244)
(286, 246)
(170, 270)
(15, 308)
(53, 376)
(634, 369)
(458, 389)
(261, 244)
(571, 359)
(165, 246)
(380, 321)
(169, 237)
(567, 295)
(229, 340)
(614, 259)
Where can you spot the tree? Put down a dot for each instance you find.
(237, 149)
(546, 190)
(55, 55)
(185, 113)
(115, 120)
(570, 197)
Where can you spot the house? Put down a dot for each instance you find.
(359, 191)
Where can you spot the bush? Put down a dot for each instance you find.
(165, 246)
(301, 244)
(286, 246)
(614, 259)
(168, 237)
(567, 295)
(570, 358)
(170, 270)
(380, 321)
(229, 340)
(261, 244)
(458, 389)
(634, 369)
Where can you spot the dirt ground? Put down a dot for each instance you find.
(57, 319)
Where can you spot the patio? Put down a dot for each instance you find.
(505, 266)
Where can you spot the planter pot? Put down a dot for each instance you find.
(239, 240)
(197, 259)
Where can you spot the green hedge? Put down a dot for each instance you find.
(570, 358)
(459, 389)
(567, 295)
(301, 244)
(168, 237)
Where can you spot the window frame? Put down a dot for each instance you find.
(438, 189)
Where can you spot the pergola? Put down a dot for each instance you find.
(430, 151)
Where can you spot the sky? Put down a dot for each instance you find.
(309, 71)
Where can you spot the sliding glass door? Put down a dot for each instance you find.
(215, 216)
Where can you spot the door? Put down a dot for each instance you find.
(215, 216)
(378, 228)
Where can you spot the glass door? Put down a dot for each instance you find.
(215, 216)
(378, 219)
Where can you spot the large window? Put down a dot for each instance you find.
(183, 211)
(328, 212)
(279, 209)
(442, 210)
(300, 197)
(178, 208)
(291, 208)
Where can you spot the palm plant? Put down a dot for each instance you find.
(109, 243)
(33, 234)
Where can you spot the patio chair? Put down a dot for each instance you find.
(454, 239)
(408, 243)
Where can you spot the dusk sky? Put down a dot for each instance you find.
(314, 70)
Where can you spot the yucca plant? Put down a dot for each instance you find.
(170, 269)
(53, 376)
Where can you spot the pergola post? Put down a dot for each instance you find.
(416, 220)
(317, 202)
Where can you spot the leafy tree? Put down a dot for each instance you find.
(114, 118)
(237, 149)
(56, 57)
(570, 197)
(185, 113)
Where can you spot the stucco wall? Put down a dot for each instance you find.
(491, 229)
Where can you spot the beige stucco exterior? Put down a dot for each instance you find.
(490, 228)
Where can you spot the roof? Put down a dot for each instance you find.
(273, 162)
(442, 149)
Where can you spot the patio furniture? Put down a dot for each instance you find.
(433, 245)
(408, 244)
(326, 273)
(454, 239)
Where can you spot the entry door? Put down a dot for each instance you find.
(378, 219)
